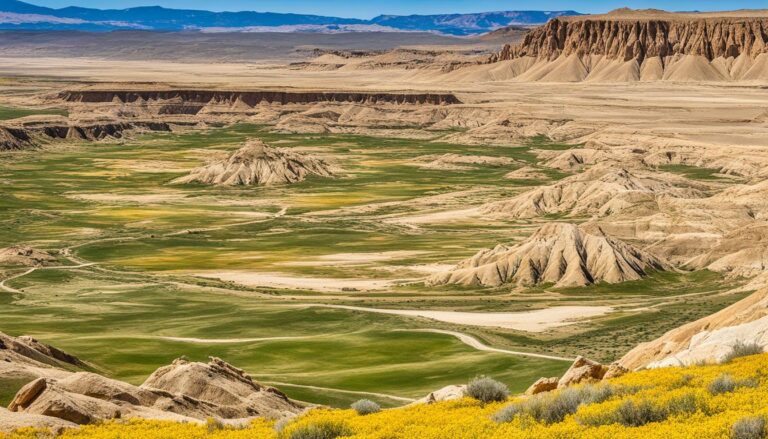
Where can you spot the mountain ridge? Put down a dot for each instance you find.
(16, 14)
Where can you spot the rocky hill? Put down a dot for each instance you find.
(60, 393)
(631, 45)
(259, 164)
(559, 253)
(710, 339)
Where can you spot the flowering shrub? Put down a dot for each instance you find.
(670, 403)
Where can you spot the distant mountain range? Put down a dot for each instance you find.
(25, 16)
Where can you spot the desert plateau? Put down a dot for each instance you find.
(515, 224)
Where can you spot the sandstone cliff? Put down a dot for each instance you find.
(631, 46)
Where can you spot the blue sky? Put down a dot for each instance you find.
(370, 8)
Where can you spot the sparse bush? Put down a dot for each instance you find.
(636, 414)
(321, 430)
(213, 425)
(722, 384)
(366, 407)
(685, 404)
(683, 381)
(726, 384)
(553, 407)
(749, 428)
(508, 413)
(487, 390)
(743, 349)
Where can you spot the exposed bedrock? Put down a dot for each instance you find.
(639, 39)
(26, 136)
(191, 99)
(667, 47)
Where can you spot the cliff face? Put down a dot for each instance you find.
(22, 137)
(196, 99)
(637, 39)
(712, 48)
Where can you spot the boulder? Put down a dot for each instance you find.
(582, 370)
(543, 385)
(447, 393)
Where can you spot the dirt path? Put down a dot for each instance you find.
(329, 389)
(33, 269)
(477, 344)
(538, 320)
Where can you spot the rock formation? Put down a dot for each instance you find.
(184, 391)
(27, 135)
(600, 191)
(25, 256)
(259, 164)
(459, 162)
(447, 393)
(643, 45)
(709, 339)
(559, 253)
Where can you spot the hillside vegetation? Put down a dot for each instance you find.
(708, 401)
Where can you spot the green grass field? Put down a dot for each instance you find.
(7, 113)
(111, 204)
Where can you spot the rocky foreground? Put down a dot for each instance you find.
(64, 392)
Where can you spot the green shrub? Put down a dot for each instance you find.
(742, 349)
(553, 407)
(321, 430)
(365, 407)
(722, 384)
(726, 384)
(487, 390)
(636, 414)
(749, 428)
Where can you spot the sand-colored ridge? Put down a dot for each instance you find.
(256, 163)
(600, 191)
(559, 253)
(706, 340)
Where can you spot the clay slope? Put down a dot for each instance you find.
(184, 391)
(559, 253)
(27, 135)
(708, 339)
(600, 191)
(631, 47)
(259, 164)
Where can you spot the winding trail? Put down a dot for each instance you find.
(351, 392)
(231, 340)
(477, 344)
(33, 269)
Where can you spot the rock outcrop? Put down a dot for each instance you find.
(600, 191)
(259, 164)
(229, 389)
(459, 162)
(643, 45)
(447, 393)
(709, 339)
(29, 135)
(183, 391)
(23, 255)
(582, 370)
(563, 254)
(542, 385)
(193, 101)
(27, 351)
